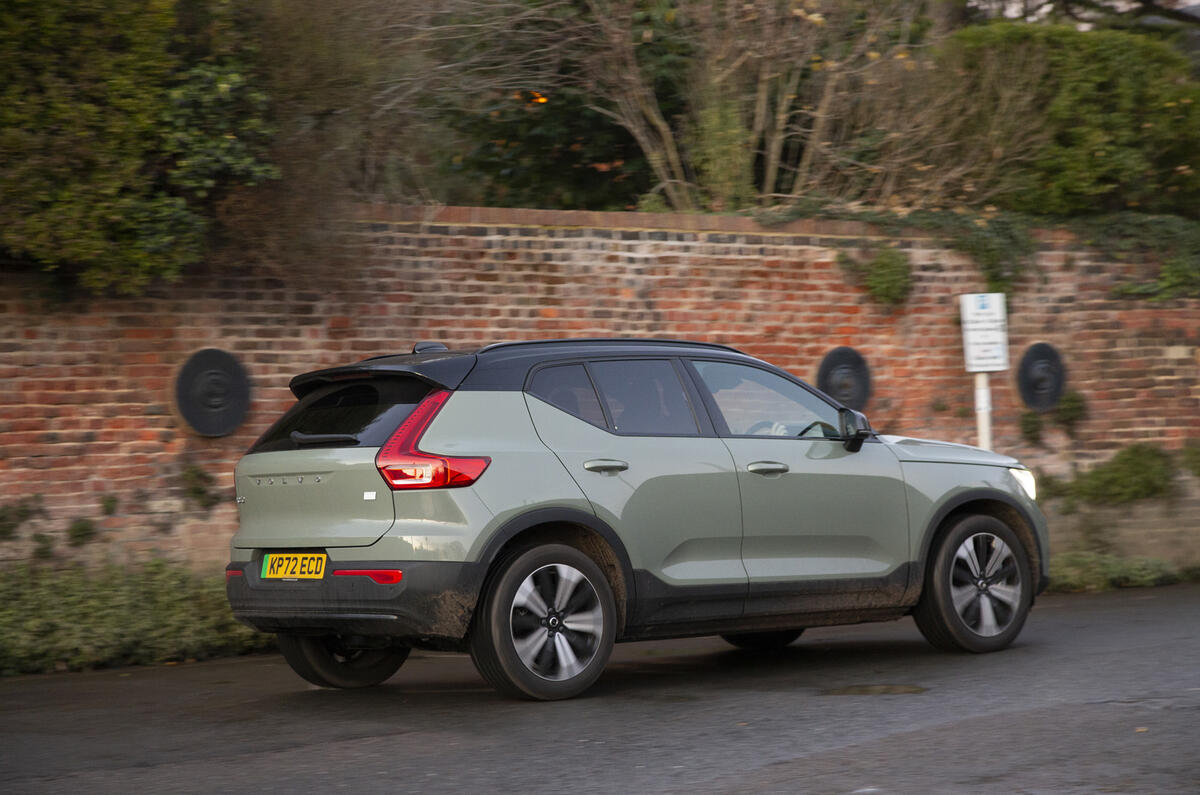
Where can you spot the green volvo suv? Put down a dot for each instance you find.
(532, 503)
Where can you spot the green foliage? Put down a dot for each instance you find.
(119, 123)
(1137, 472)
(1115, 118)
(196, 484)
(887, 277)
(108, 504)
(214, 128)
(1000, 244)
(1070, 411)
(723, 158)
(1190, 456)
(79, 618)
(549, 151)
(1171, 241)
(1050, 487)
(940, 405)
(652, 202)
(43, 546)
(1072, 572)
(15, 514)
(1031, 428)
(81, 531)
(1124, 117)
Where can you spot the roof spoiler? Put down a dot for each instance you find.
(434, 368)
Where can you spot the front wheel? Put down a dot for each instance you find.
(546, 626)
(327, 662)
(978, 587)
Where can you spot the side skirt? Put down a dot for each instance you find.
(760, 624)
(666, 611)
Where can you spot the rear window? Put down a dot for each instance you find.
(353, 414)
(569, 388)
(644, 397)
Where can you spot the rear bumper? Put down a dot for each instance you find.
(432, 605)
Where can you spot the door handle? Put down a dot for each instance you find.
(767, 468)
(605, 465)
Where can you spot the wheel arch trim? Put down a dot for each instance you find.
(539, 517)
(963, 500)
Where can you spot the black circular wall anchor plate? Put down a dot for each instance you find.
(1041, 376)
(212, 392)
(844, 375)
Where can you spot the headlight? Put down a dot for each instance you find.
(1025, 478)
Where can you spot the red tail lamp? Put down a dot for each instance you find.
(405, 466)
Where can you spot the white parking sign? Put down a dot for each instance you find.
(985, 332)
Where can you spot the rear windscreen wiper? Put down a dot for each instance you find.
(321, 438)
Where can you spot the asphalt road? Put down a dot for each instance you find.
(1100, 694)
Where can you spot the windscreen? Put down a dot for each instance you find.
(361, 413)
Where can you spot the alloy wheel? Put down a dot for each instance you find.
(556, 622)
(985, 584)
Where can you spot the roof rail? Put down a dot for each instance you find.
(609, 340)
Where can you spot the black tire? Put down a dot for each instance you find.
(546, 654)
(325, 662)
(992, 580)
(763, 641)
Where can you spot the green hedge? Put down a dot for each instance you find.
(1123, 112)
(121, 121)
(77, 618)
(1074, 572)
(1137, 472)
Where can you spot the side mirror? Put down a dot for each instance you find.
(855, 429)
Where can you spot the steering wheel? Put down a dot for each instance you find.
(823, 426)
(759, 426)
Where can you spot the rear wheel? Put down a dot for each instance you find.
(547, 624)
(978, 588)
(763, 641)
(327, 662)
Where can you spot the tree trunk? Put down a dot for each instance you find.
(820, 125)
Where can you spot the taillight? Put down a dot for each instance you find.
(405, 466)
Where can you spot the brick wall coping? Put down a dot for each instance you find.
(679, 222)
(587, 219)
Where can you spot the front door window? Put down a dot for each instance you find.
(755, 402)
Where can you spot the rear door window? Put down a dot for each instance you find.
(645, 396)
(350, 414)
(568, 387)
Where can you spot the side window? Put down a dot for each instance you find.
(644, 396)
(568, 387)
(754, 402)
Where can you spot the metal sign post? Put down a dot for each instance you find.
(985, 349)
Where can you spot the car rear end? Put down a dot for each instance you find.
(319, 492)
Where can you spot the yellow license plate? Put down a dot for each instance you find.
(293, 566)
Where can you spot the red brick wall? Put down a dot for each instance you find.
(86, 405)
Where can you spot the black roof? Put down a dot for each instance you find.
(506, 364)
(503, 365)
